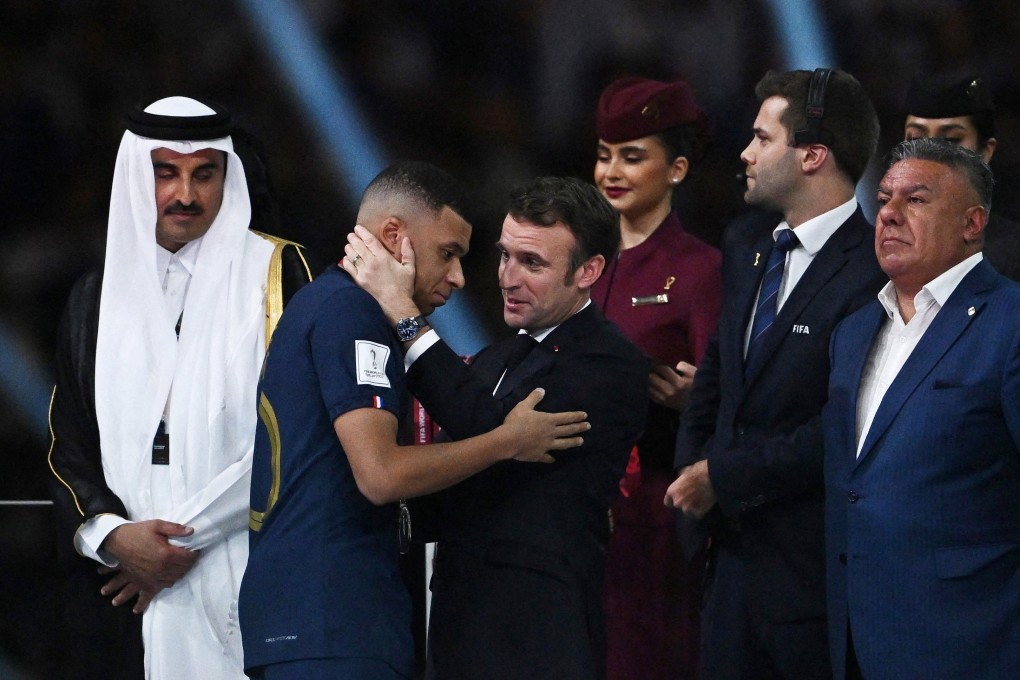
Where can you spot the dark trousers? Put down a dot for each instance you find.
(737, 645)
(99, 640)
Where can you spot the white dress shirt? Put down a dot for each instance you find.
(812, 234)
(897, 339)
(430, 337)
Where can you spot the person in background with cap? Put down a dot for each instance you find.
(663, 289)
(153, 412)
(960, 109)
(749, 454)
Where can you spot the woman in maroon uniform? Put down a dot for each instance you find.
(663, 289)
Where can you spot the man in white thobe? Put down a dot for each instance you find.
(153, 413)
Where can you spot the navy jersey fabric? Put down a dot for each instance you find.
(322, 577)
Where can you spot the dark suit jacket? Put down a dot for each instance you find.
(518, 577)
(923, 529)
(762, 433)
(1002, 246)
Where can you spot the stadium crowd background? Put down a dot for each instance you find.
(492, 91)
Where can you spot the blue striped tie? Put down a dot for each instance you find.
(768, 296)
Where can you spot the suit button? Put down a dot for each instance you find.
(740, 430)
(842, 558)
(852, 496)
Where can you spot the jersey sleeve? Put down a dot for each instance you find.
(356, 357)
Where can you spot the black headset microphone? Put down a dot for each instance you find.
(812, 132)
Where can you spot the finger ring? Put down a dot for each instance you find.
(354, 260)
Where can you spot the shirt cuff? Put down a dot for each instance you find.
(428, 338)
(92, 533)
(205, 534)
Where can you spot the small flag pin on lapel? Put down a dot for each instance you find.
(970, 312)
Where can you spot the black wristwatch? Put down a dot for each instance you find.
(409, 327)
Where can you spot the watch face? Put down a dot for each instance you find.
(407, 328)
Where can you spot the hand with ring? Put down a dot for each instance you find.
(388, 278)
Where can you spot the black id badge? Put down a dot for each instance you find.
(161, 446)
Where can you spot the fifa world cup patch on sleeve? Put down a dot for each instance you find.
(371, 360)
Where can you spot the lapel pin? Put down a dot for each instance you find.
(757, 256)
(669, 282)
(556, 348)
(971, 311)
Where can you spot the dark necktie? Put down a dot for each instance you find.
(522, 346)
(768, 296)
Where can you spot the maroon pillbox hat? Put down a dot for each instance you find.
(635, 107)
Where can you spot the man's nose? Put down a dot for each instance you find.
(746, 155)
(185, 191)
(456, 276)
(507, 277)
(890, 213)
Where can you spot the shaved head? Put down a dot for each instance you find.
(409, 190)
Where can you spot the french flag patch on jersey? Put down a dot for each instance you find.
(377, 402)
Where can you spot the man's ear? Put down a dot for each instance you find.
(590, 271)
(974, 227)
(392, 231)
(814, 157)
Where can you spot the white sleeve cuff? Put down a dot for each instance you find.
(92, 533)
(206, 533)
(428, 338)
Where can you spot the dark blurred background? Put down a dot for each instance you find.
(494, 91)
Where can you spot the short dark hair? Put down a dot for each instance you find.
(424, 183)
(689, 140)
(970, 164)
(850, 119)
(578, 205)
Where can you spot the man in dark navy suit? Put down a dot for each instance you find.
(749, 456)
(922, 439)
(518, 577)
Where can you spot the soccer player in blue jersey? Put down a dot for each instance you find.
(322, 596)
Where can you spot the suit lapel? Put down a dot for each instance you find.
(860, 337)
(960, 310)
(826, 264)
(544, 355)
(750, 263)
(537, 360)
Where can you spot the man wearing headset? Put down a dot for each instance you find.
(749, 456)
